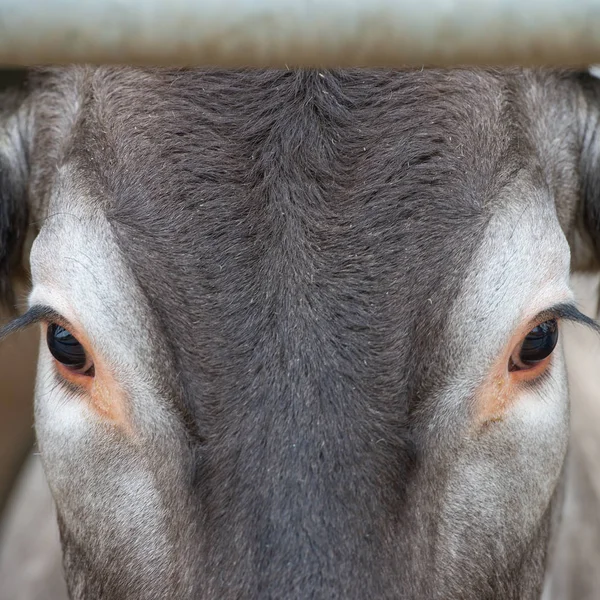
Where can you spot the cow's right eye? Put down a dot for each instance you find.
(68, 351)
(536, 348)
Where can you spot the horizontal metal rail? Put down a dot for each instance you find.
(301, 32)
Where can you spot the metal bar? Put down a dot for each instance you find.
(301, 32)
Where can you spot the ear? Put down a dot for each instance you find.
(14, 213)
(585, 234)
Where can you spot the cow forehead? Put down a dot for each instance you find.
(324, 215)
(518, 268)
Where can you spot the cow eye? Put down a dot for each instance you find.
(65, 348)
(536, 347)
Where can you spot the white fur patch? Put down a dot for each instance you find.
(111, 488)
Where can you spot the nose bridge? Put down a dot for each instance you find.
(302, 488)
(305, 502)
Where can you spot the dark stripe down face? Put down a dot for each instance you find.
(303, 334)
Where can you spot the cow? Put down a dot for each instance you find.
(301, 329)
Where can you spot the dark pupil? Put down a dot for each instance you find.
(539, 342)
(65, 348)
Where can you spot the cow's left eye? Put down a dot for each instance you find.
(68, 351)
(537, 346)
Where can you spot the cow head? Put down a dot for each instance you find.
(299, 328)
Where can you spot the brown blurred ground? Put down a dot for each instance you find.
(17, 360)
(17, 372)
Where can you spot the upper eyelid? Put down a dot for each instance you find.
(55, 317)
(549, 314)
(567, 311)
(36, 314)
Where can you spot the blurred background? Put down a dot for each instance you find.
(17, 372)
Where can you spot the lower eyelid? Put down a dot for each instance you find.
(529, 375)
(78, 380)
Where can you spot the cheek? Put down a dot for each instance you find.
(508, 471)
(111, 496)
(85, 455)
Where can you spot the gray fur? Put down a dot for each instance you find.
(300, 279)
